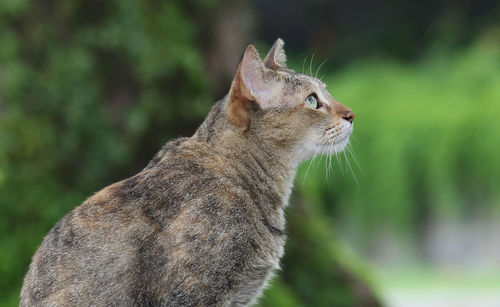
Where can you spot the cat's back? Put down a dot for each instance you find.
(154, 237)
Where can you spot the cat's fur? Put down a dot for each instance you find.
(203, 223)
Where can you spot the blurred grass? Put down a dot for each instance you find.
(423, 286)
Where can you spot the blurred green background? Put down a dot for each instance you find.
(90, 90)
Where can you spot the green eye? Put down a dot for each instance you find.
(312, 100)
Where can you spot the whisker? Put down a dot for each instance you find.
(328, 168)
(313, 160)
(307, 170)
(339, 162)
(325, 178)
(303, 64)
(319, 67)
(331, 160)
(310, 162)
(353, 139)
(310, 65)
(353, 155)
(330, 165)
(352, 171)
(327, 165)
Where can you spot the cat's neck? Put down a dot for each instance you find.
(276, 169)
(269, 164)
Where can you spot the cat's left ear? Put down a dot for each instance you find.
(248, 86)
(276, 58)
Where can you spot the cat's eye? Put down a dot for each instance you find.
(312, 101)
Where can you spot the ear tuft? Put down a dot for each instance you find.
(276, 58)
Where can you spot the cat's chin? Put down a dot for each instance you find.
(336, 146)
(339, 146)
(328, 148)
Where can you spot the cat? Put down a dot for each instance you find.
(203, 223)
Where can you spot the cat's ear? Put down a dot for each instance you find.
(248, 86)
(276, 58)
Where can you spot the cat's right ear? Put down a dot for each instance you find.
(276, 58)
(248, 86)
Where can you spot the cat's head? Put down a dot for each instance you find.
(289, 109)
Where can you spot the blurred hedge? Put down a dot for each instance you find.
(89, 91)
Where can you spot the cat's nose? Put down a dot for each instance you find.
(348, 116)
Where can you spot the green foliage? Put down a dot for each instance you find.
(317, 269)
(89, 92)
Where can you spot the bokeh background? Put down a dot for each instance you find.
(90, 90)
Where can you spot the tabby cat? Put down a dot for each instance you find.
(203, 223)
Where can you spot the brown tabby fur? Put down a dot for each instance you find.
(203, 223)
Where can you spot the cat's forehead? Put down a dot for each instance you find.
(289, 88)
(294, 82)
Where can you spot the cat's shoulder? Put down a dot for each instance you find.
(170, 147)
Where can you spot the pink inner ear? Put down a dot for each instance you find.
(252, 75)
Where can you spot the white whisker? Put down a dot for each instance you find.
(341, 166)
(353, 155)
(352, 171)
(319, 67)
(310, 65)
(303, 64)
(310, 162)
(331, 160)
(327, 164)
